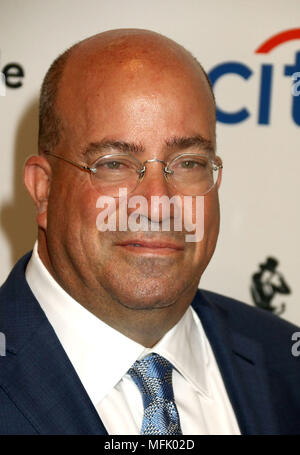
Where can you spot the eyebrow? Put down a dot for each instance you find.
(175, 142)
(198, 141)
(122, 146)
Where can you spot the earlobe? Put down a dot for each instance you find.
(37, 179)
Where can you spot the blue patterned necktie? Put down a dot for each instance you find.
(153, 376)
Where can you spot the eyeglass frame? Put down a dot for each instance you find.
(141, 172)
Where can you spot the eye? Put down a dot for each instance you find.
(109, 164)
(112, 164)
(115, 169)
(189, 164)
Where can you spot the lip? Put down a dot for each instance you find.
(151, 246)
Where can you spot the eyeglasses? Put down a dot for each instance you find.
(191, 174)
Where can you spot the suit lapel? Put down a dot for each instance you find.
(241, 363)
(38, 376)
(44, 386)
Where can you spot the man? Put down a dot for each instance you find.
(105, 329)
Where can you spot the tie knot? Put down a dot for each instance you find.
(153, 376)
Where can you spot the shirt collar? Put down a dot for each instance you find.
(100, 354)
(185, 346)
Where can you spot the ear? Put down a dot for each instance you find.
(37, 179)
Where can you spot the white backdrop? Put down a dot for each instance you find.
(260, 189)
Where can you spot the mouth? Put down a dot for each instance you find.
(160, 247)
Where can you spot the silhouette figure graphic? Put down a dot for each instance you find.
(266, 284)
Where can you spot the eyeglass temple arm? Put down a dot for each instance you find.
(86, 168)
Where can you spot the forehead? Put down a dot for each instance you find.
(118, 85)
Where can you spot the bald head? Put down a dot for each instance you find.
(131, 54)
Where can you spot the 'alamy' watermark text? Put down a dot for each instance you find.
(296, 85)
(178, 213)
(2, 84)
(296, 345)
(2, 345)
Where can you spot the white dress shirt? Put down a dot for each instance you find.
(102, 356)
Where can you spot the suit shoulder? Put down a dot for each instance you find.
(248, 317)
(16, 275)
(273, 334)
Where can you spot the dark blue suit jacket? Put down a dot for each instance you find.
(40, 392)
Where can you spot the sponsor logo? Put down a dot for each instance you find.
(11, 76)
(266, 89)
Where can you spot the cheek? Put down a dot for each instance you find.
(212, 223)
(84, 215)
(209, 222)
(212, 212)
(202, 213)
(72, 209)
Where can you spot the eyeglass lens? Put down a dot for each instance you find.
(190, 174)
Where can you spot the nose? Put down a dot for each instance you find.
(157, 192)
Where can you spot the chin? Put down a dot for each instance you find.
(146, 299)
(152, 295)
(153, 288)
